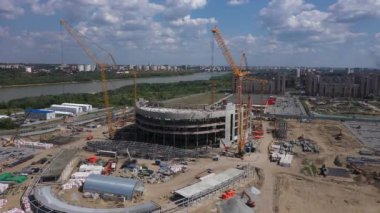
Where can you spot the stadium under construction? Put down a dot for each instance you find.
(212, 126)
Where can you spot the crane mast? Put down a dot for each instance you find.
(238, 74)
(134, 88)
(243, 62)
(79, 38)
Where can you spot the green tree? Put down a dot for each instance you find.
(7, 123)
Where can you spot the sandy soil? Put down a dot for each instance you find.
(294, 192)
(300, 194)
(287, 190)
(282, 189)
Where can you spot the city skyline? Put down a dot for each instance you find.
(336, 33)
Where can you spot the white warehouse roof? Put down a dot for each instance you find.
(63, 113)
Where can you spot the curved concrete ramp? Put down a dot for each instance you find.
(46, 201)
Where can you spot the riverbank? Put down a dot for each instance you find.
(122, 96)
(12, 93)
(126, 76)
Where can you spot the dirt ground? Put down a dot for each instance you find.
(294, 192)
(322, 133)
(300, 194)
(282, 189)
(287, 190)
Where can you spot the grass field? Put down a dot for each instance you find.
(193, 101)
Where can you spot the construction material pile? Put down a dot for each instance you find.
(3, 202)
(20, 142)
(78, 178)
(282, 153)
(228, 194)
(26, 204)
(3, 187)
(91, 169)
(306, 144)
(166, 172)
(144, 150)
(15, 210)
(363, 160)
(35, 145)
(73, 183)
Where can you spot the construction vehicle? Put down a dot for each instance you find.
(89, 137)
(249, 202)
(110, 166)
(102, 65)
(238, 75)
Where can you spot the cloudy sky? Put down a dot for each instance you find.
(271, 32)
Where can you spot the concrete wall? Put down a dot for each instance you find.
(229, 132)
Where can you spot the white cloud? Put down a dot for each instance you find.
(377, 36)
(242, 41)
(118, 25)
(4, 31)
(10, 9)
(237, 2)
(179, 8)
(298, 22)
(351, 10)
(192, 4)
(188, 21)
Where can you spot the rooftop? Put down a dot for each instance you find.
(38, 111)
(209, 183)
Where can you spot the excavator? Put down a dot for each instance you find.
(249, 202)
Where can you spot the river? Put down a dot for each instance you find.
(10, 93)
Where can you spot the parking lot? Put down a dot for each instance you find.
(290, 106)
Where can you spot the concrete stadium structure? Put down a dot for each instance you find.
(186, 128)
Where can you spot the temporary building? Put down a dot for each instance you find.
(40, 114)
(286, 160)
(125, 187)
(61, 113)
(64, 108)
(85, 107)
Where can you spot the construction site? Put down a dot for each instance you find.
(249, 150)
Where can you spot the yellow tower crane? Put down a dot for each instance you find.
(244, 66)
(81, 41)
(238, 74)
